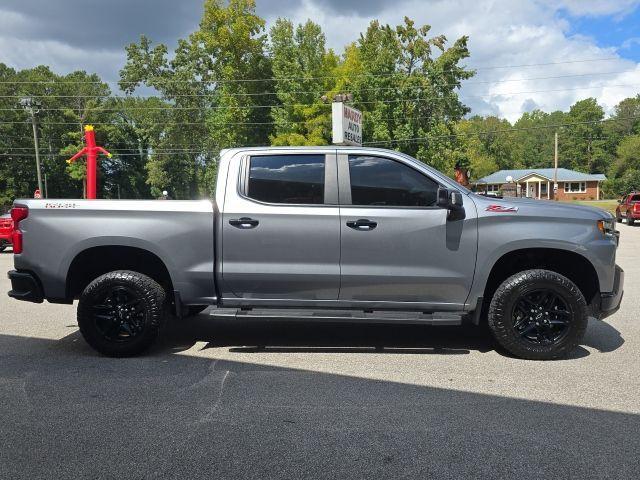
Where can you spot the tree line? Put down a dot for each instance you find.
(233, 83)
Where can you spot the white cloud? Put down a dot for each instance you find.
(502, 33)
(508, 32)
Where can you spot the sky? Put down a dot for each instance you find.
(527, 53)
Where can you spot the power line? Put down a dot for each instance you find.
(317, 92)
(167, 123)
(270, 79)
(255, 107)
(204, 150)
(507, 130)
(413, 139)
(203, 123)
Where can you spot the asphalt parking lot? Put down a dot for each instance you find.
(251, 400)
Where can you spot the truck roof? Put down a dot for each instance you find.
(308, 147)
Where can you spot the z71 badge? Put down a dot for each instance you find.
(501, 209)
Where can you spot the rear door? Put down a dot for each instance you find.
(397, 245)
(281, 227)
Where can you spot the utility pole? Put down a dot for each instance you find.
(33, 106)
(555, 171)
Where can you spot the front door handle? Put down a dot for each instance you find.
(362, 224)
(244, 223)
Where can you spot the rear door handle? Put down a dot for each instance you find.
(244, 223)
(362, 224)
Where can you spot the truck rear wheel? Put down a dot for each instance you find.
(120, 313)
(538, 315)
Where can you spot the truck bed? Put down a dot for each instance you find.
(181, 233)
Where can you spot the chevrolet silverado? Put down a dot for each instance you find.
(328, 234)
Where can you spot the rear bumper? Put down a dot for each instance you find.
(610, 301)
(25, 286)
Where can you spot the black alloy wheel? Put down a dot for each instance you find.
(541, 317)
(120, 313)
(538, 314)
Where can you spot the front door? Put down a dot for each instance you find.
(397, 245)
(281, 229)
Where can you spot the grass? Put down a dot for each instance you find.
(608, 205)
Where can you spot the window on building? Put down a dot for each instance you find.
(575, 187)
(543, 188)
(296, 179)
(384, 182)
(493, 187)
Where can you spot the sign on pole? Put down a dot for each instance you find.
(347, 124)
(37, 193)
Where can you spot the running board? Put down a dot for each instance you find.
(383, 316)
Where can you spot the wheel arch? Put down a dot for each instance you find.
(570, 264)
(90, 263)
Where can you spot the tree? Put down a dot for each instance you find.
(583, 146)
(136, 125)
(65, 103)
(216, 83)
(302, 70)
(533, 143)
(405, 90)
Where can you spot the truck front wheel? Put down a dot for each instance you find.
(120, 313)
(538, 315)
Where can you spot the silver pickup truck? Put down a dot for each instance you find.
(329, 234)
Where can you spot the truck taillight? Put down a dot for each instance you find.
(18, 214)
(636, 207)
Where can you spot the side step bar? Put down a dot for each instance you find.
(382, 316)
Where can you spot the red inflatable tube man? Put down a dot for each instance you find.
(91, 151)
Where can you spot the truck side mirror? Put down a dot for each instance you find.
(449, 199)
(456, 200)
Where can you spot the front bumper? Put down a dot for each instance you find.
(610, 301)
(25, 286)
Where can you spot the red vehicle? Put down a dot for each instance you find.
(629, 208)
(6, 229)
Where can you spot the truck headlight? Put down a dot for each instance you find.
(608, 227)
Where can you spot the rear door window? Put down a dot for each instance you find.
(634, 198)
(293, 179)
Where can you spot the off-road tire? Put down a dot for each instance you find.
(501, 311)
(630, 221)
(618, 218)
(150, 296)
